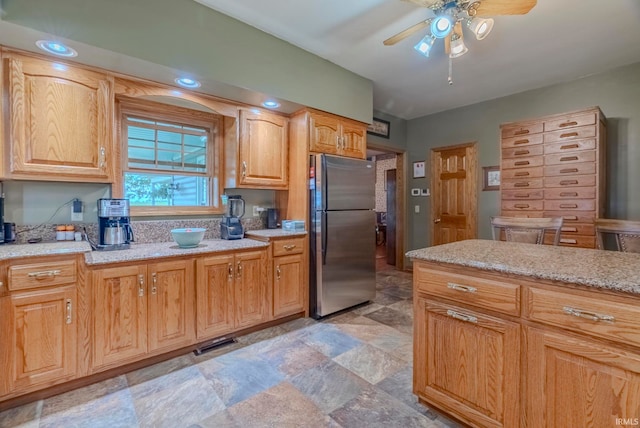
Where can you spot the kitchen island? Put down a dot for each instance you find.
(509, 334)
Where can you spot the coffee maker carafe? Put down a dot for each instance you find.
(114, 228)
(231, 226)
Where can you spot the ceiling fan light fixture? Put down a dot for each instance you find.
(480, 27)
(441, 26)
(457, 48)
(424, 45)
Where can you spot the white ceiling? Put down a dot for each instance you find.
(557, 41)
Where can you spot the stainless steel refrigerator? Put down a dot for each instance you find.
(342, 235)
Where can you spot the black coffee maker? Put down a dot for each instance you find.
(114, 227)
(231, 225)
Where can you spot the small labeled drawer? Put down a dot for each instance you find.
(570, 146)
(572, 193)
(521, 141)
(526, 162)
(510, 184)
(521, 129)
(571, 181)
(528, 205)
(569, 158)
(571, 217)
(570, 169)
(485, 293)
(570, 122)
(288, 246)
(570, 134)
(534, 172)
(46, 274)
(570, 205)
(522, 194)
(588, 315)
(520, 152)
(575, 241)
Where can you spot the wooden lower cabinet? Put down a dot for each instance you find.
(289, 276)
(467, 363)
(43, 338)
(142, 309)
(232, 292)
(573, 382)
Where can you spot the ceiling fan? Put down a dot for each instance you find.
(448, 19)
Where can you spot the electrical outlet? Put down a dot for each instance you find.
(76, 216)
(256, 210)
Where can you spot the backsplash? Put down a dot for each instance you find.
(144, 231)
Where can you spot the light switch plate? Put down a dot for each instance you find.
(415, 192)
(416, 209)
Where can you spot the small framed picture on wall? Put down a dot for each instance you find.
(491, 178)
(418, 169)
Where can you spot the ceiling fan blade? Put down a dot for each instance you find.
(505, 7)
(422, 3)
(406, 33)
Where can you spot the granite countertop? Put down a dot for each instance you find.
(612, 270)
(136, 252)
(274, 233)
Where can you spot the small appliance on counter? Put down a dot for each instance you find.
(9, 232)
(231, 225)
(272, 218)
(114, 227)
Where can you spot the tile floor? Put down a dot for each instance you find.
(348, 370)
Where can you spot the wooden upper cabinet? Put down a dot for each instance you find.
(335, 135)
(60, 121)
(261, 157)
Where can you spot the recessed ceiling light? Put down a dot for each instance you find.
(271, 104)
(187, 82)
(56, 48)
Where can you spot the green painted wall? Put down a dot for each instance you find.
(188, 36)
(616, 92)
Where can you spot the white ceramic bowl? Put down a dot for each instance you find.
(188, 237)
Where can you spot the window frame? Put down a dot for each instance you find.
(173, 114)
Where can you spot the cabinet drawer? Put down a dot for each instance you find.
(569, 158)
(522, 214)
(527, 162)
(589, 315)
(570, 205)
(569, 217)
(288, 246)
(570, 181)
(522, 194)
(572, 193)
(508, 205)
(570, 134)
(485, 293)
(521, 141)
(519, 152)
(521, 173)
(534, 183)
(44, 274)
(522, 129)
(573, 241)
(570, 122)
(570, 146)
(568, 230)
(570, 169)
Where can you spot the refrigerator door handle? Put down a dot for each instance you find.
(323, 182)
(323, 226)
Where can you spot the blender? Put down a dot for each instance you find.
(231, 226)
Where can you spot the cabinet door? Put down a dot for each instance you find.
(171, 304)
(288, 283)
(215, 296)
(251, 288)
(354, 142)
(467, 363)
(44, 337)
(119, 314)
(263, 150)
(60, 120)
(579, 383)
(324, 133)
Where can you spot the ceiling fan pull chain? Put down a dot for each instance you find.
(450, 79)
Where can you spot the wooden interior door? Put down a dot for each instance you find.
(390, 181)
(454, 199)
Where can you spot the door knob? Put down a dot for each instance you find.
(437, 220)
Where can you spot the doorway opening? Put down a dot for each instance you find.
(389, 208)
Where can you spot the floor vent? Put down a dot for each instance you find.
(215, 344)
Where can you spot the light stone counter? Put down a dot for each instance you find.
(595, 268)
(273, 233)
(136, 252)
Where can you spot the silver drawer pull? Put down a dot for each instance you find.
(289, 247)
(593, 316)
(44, 273)
(460, 287)
(462, 317)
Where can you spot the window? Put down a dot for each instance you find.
(170, 159)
